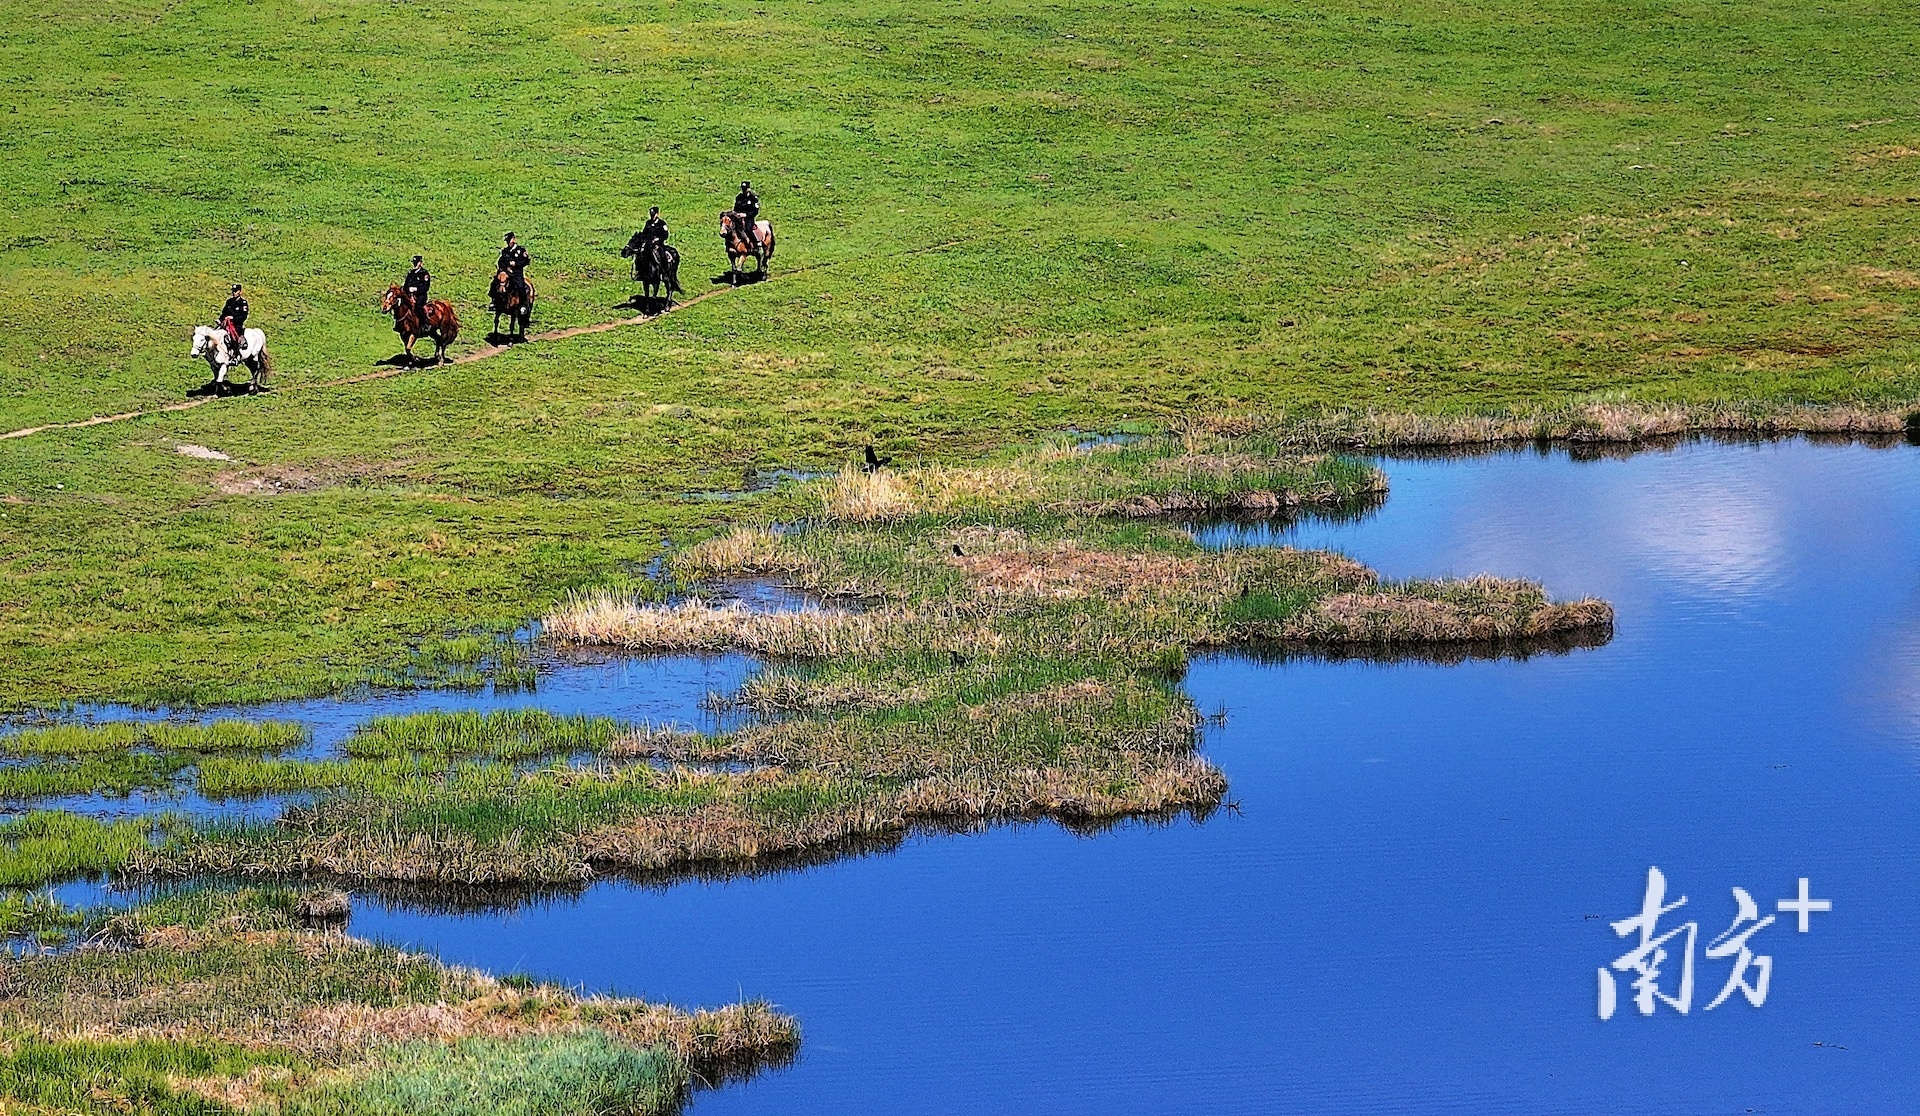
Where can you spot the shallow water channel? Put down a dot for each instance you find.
(1408, 909)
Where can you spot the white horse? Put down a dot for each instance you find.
(210, 344)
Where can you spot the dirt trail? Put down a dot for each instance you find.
(464, 358)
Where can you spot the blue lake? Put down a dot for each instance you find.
(1407, 911)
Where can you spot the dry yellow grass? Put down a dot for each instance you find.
(854, 496)
(741, 552)
(616, 620)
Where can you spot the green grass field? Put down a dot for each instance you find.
(994, 219)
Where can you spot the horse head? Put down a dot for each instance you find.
(202, 341)
(632, 247)
(390, 300)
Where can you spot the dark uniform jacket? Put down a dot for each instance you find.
(418, 282)
(747, 202)
(235, 308)
(654, 229)
(513, 260)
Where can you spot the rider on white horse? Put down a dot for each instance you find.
(233, 319)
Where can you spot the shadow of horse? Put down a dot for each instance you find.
(739, 279)
(658, 304)
(225, 389)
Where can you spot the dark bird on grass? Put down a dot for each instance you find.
(957, 552)
(875, 461)
(958, 658)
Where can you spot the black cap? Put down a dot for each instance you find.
(509, 236)
(653, 211)
(744, 185)
(416, 259)
(236, 288)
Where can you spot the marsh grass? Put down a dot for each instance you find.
(1008, 669)
(124, 736)
(107, 1077)
(583, 1073)
(38, 916)
(48, 846)
(999, 668)
(203, 1000)
(503, 734)
(113, 776)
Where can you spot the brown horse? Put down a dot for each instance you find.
(507, 301)
(759, 249)
(441, 323)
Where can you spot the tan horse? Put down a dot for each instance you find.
(507, 301)
(441, 323)
(759, 249)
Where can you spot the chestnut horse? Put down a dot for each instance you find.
(441, 323)
(760, 249)
(507, 301)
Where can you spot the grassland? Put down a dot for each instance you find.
(211, 1002)
(995, 218)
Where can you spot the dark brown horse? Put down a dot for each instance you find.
(656, 267)
(440, 322)
(506, 300)
(759, 249)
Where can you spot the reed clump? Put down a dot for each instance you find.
(616, 620)
(745, 551)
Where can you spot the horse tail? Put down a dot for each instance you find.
(672, 260)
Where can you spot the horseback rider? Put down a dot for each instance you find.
(417, 283)
(747, 204)
(233, 319)
(513, 261)
(654, 231)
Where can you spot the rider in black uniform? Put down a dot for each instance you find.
(417, 283)
(233, 318)
(655, 230)
(747, 204)
(514, 261)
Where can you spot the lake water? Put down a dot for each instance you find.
(1408, 909)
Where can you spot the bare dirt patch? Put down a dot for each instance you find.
(281, 480)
